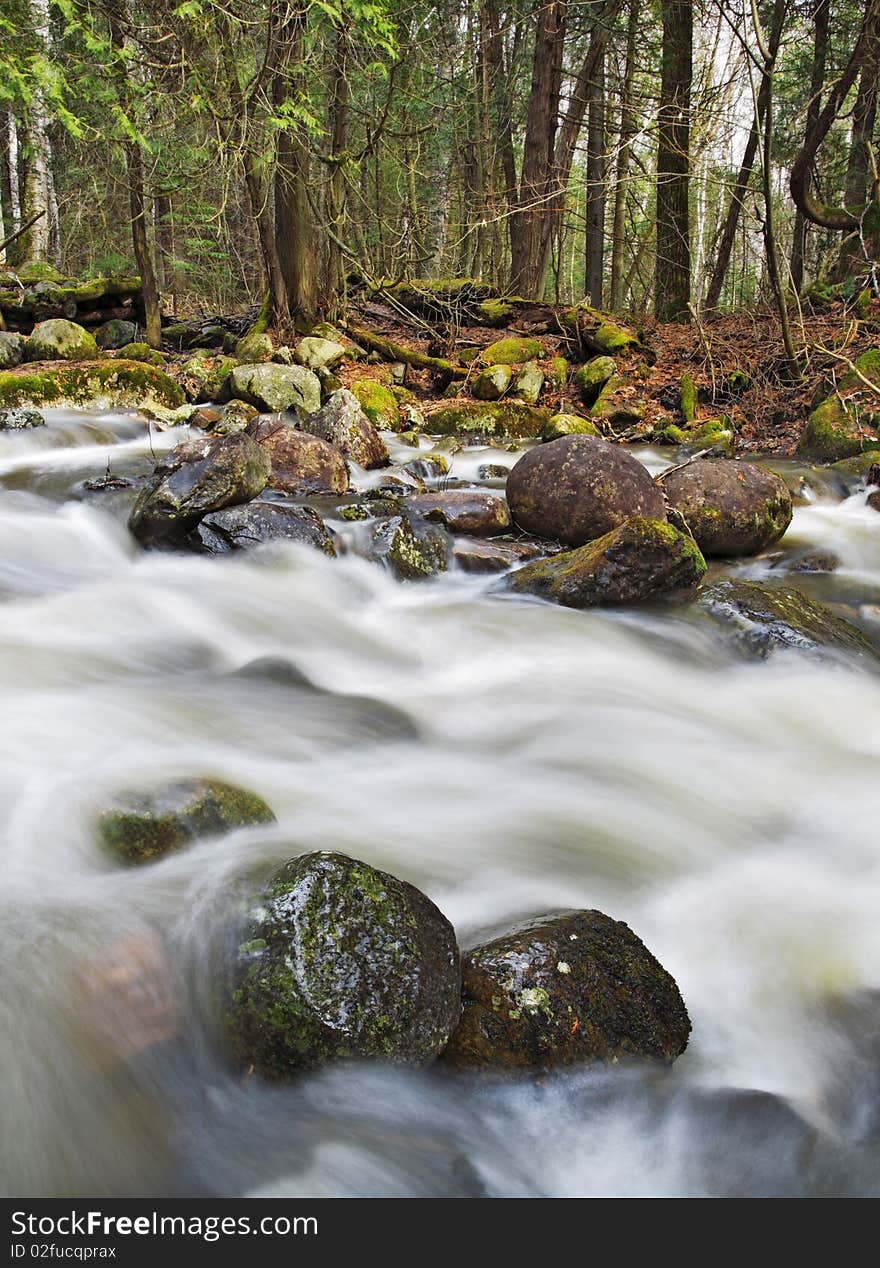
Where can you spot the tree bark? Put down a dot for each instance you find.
(672, 278)
(859, 168)
(628, 130)
(594, 259)
(35, 244)
(821, 11)
(293, 220)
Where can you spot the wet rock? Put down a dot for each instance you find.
(340, 960)
(475, 554)
(378, 403)
(492, 471)
(853, 471)
(762, 620)
(20, 419)
(59, 340)
(244, 527)
(410, 549)
(115, 333)
(528, 383)
(142, 826)
(430, 466)
(491, 418)
(11, 350)
(273, 388)
(463, 511)
(237, 416)
(638, 560)
(565, 989)
(512, 351)
(811, 562)
(344, 425)
(300, 462)
(592, 377)
(732, 508)
(491, 384)
(197, 477)
(579, 487)
(317, 354)
(569, 425)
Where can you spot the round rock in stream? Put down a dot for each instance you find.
(573, 987)
(301, 463)
(578, 488)
(144, 825)
(342, 960)
(463, 511)
(732, 508)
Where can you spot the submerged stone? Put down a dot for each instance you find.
(565, 989)
(244, 527)
(145, 825)
(640, 559)
(579, 487)
(763, 619)
(340, 960)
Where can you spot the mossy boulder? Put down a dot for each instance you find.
(578, 488)
(513, 351)
(244, 527)
(617, 405)
(339, 961)
(556, 369)
(59, 340)
(732, 508)
(197, 477)
(342, 423)
(569, 425)
(463, 511)
(593, 376)
(410, 548)
(254, 347)
(846, 422)
(204, 374)
(640, 559)
(428, 466)
(378, 403)
(317, 354)
(528, 383)
(141, 352)
(491, 418)
(115, 333)
(598, 332)
(274, 388)
(20, 419)
(300, 462)
(92, 384)
(142, 826)
(11, 350)
(491, 384)
(563, 990)
(494, 312)
(761, 620)
(710, 434)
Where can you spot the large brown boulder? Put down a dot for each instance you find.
(732, 508)
(565, 989)
(642, 559)
(343, 424)
(577, 488)
(301, 463)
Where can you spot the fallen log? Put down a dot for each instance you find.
(399, 352)
(24, 303)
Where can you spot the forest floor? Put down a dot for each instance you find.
(768, 410)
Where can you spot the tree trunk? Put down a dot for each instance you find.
(334, 289)
(536, 185)
(293, 219)
(628, 130)
(672, 278)
(35, 244)
(596, 179)
(740, 189)
(821, 10)
(859, 168)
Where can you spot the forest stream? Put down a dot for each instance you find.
(507, 756)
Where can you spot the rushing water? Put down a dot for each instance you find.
(508, 757)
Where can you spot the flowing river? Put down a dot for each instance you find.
(506, 756)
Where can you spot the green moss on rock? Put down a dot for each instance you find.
(569, 425)
(378, 403)
(513, 351)
(493, 418)
(93, 384)
(592, 377)
(143, 826)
